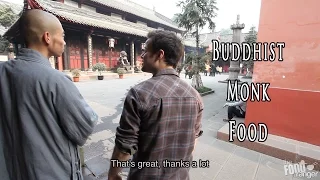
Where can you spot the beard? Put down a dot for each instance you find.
(143, 67)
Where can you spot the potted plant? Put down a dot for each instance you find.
(100, 67)
(120, 72)
(76, 74)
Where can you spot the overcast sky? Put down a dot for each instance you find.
(249, 11)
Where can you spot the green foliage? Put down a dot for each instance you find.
(4, 43)
(120, 71)
(225, 32)
(196, 13)
(75, 72)
(100, 67)
(198, 62)
(7, 17)
(194, 16)
(250, 38)
(203, 89)
(206, 58)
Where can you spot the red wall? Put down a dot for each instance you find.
(295, 82)
(100, 51)
(60, 67)
(74, 53)
(103, 56)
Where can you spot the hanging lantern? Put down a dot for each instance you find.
(143, 45)
(111, 43)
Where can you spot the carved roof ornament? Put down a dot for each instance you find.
(237, 25)
(238, 19)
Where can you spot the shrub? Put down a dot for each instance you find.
(203, 89)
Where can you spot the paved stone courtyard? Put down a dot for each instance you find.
(227, 161)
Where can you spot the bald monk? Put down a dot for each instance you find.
(43, 117)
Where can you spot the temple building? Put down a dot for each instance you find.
(4, 49)
(98, 30)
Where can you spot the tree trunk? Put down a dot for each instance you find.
(196, 79)
(197, 40)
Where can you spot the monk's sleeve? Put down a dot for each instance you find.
(75, 116)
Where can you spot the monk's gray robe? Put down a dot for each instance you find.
(44, 119)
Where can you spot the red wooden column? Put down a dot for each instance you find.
(294, 83)
(60, 66)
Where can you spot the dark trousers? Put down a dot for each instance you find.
(234, 112)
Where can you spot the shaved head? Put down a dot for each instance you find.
(42, 30)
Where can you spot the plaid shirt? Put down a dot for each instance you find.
(160, 121)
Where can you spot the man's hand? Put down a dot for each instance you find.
(195, 144)
(114, 171)
(225, 105)
(115, 177)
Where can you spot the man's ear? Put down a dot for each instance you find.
(47, 37)
(161, 54)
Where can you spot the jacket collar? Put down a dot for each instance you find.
(31, 55)
(168, 71)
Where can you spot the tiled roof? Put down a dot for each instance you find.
(138, 10)
(93, 19)
(206, 38)
(228, 37)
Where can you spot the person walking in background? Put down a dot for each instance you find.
(207, 69)
(186, 69)
(213, 69)
(43, 116)
(218, 69)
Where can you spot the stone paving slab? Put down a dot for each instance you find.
(280, 147)
(270, 168)
(227, 161)
(243, 161)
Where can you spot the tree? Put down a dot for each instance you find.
(7, 18)
(195, 15)
(250, 38)
(4, 43)
(200, 61)
(225, 32)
